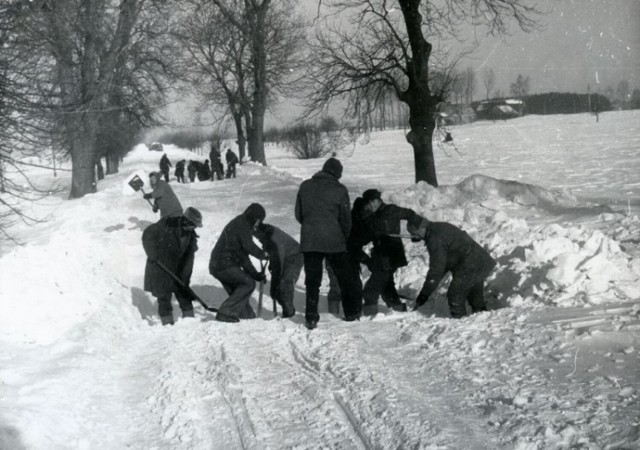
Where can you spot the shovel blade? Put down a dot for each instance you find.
(136, 183)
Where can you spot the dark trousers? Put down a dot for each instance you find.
(164, 304)
(340, 263)
(287, 284)
(239, 285)
(466, 287)
(166, 175)
(180, 177)
(231, 170)
(381, 283)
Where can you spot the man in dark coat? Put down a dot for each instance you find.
(192, 170)
(172, 242)
(164, 199)
(323, 210)
(204, 171)
(452, 250)
(164, 167)
(217, 170)
(285, 264)
(387, 254)
(180, 171)
(230, 264)
(359, 237)
(232, 160)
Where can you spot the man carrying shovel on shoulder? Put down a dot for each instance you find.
(170, 245)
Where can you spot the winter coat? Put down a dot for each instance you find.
(231, 158)
(388, 252)
(204, 172)
(236, 244)
(180, 168)
(165, 241)
(281, 248)
(323, 209)
(453, 250)
(165, 164)
(166, 200)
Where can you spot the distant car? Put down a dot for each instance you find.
(156, 147)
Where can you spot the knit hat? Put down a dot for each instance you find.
(254, 212)
(333, 167)
(371, 194)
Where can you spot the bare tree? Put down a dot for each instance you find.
(272, 36)
(375, 48)
(520, 87)
(84, 51)
(622, 92)
(489, 81)
(219, 54)
(469, 84)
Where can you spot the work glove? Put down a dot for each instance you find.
(421, 299)
(147, 196)
(155, 209)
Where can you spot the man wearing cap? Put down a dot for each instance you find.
(165, 199)
(173, 242)
(387, 254)
(452, 250)
(323, 209)
(230, 264)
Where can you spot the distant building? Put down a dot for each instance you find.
(501, 109)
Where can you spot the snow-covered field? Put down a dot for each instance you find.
(554, 364)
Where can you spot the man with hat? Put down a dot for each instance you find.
(230, 264)
(387, 254)
(323, 210)
(452, 250)
(165, 199)
(172, 242)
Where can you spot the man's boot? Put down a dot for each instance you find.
(166, 320)
(187, 313)
(369, 310)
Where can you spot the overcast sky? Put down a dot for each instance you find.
(585, 42)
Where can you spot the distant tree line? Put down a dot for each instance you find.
(566, 103)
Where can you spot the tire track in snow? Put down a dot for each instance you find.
(289, 403)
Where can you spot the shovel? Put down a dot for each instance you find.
(136, 184)
(184, 287)
(263, 266)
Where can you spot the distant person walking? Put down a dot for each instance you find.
(179, 172)
(285, 264)
(192, 170)
(323, 210)
(164, 199)
(172, 242)
(230, 264)
(452, 250)
(232, 160)
(165, 164)
(217, 169)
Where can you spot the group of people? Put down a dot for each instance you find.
(210, 169)
(332, 232)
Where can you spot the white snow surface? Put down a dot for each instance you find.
(554, 364)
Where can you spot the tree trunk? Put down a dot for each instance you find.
(420, 137)
(113, 163)
(242, 141)
(83, 175)
(100, 169)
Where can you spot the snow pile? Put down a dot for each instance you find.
(549, 263)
